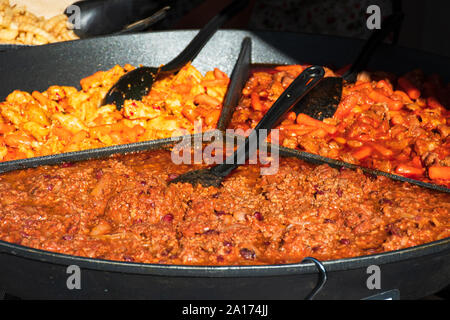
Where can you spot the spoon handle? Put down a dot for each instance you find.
(376, 38)
(145, 23)
(307, 80)
(202, 37)
(238, 78)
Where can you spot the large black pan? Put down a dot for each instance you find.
(31, 273)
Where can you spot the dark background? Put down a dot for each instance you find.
(426, 25)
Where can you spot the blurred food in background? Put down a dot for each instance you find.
(18, 25)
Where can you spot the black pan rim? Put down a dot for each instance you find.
(436, 247)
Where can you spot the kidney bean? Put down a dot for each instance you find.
(247, 254)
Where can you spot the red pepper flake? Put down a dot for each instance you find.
(67, 237)
(50, 187)
(173, 176)
(339, 193)
(220, 259)
(344, 241)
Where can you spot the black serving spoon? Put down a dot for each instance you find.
(138, 82)
(323, 100)
(238, 78)
(213, 176)
(103, 17)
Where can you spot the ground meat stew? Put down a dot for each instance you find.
(123, 208)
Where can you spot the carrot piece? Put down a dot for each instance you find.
(347, 104)
(213, 83)
(319, 133)
(256, 102)
(438, 172)
(360, 86)
(409, 171)
(409, 88)
(362, 152)
(383, 84)
(397, 119)
(402, 96)
(307, 120)
(382, 149)
(416, 162)
(434, 103)
(297, 129)
(6, 128)
(219, 74)
(381, 98)
(206, 100)
(340, 140)
(293, 67)
(291, 116)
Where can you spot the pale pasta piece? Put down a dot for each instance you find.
(19, 26)
(72, 123)
(8, 34)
